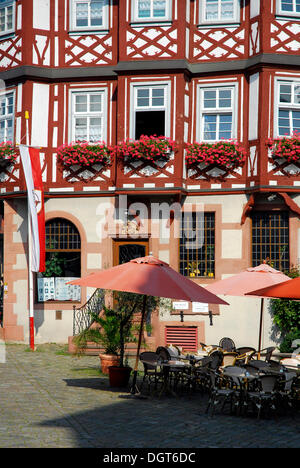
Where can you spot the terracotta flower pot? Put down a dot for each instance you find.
(119, 376)
(108, 360)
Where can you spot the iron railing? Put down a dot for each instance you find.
(82, 318)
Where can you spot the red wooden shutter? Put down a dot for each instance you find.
(186, 337)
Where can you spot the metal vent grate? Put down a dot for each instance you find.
(186, 337)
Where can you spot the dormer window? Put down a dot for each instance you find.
(219, 11)
(89, 15)
(7, 16)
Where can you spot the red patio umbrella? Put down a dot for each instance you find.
(287, 290)
(151, 277)
(247, 281)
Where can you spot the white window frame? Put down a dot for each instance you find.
(287, 14)
(285, 106)
(8, 116)
(74, 27)
(5, 5)
(235, 19)
(73, 114)
(152, 19)
(201, 111)
(135, 108)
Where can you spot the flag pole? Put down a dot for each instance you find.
(30, 273)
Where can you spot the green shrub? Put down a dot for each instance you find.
(286, 345)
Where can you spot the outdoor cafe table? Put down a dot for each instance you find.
(168, 367)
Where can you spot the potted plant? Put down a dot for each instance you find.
(146, 149)
(83, 153)
(286, 148)
(8, 154)
(113, 329)
(228, 154)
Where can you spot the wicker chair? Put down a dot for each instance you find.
(245, 354)
(229, 359)
(220, 389)
(227, 344)
(265, 397)
(267, 353)
(152, 371)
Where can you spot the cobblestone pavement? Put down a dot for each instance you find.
(51, 399)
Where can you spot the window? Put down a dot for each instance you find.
(219, 11)
(63, 252)
(151, 10)
(7, 117)
(7, 16)
(216, 114)
(270, 239)
(88, 116)
(151, 110)
(288, 120)
(289, 7)
(197, 245)
(89, 14)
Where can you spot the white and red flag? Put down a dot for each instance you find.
(30, 158)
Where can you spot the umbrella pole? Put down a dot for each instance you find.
(134, 388)
(260, 326)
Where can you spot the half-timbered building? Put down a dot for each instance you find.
(194, 71)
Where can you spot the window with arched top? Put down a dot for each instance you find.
(63, 262)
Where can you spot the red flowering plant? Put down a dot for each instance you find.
(8, 154)
(147, 148)
(228, 154)
(287, 147)
(84, 154)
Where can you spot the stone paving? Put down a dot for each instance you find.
(51, 399)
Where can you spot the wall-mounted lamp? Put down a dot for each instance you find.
(181, 316)
(210, 318)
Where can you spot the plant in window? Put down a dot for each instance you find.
(84, 154)
(147, 148)
(228, 154)
(287, 147)
(8, 154)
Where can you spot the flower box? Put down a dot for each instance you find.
(149, 149)
(225, 154)
(84, 154)
(286, 148)
(8, 155)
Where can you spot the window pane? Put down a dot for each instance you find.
(158, 97)
(287, 5)
(285, 93)
(81, 103)
(159, 8)
(144, 8)
(284, 123)
(143, 96)
(227, 9)
(95, 129)
(225, 98)
(95, 103)
(82, 14)
(297, 6)
(297, 94)
(211, 12)
(296, 120)
(96, 13)
(210, 101)
(81, 129)
(210, 127)
(225, 130)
